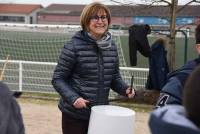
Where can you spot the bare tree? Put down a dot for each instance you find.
(172, 50)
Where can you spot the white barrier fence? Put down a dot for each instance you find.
(28, 76)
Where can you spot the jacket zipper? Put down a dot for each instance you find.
(100, 74)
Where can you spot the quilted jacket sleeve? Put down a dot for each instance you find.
(62, 73)
(118, 84)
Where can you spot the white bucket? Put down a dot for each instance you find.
(108, 119)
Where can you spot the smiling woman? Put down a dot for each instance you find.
(88, 67)
(97, 27)
(95, 20)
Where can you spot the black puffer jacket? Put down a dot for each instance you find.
(11, 121)
(87, 70)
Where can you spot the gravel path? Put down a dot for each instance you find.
(45, 118)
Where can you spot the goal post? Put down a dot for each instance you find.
(34, 50)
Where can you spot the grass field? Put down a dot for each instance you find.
(180, 46)
(45, 47)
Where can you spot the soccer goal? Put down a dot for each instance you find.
(34, 50)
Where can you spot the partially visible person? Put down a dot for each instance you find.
(191, 97)
(180, 119)
(172, 91)
(88, 67)
(11, 121)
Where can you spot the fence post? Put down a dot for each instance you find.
(20, 76)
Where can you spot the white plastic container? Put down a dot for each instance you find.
(108, 119)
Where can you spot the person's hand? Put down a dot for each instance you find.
(80, 103)
(130, 92)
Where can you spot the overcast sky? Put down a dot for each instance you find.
(47, 2)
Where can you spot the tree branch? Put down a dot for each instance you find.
(181, 8)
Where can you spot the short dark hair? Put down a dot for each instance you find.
(191, 96)
(197, 34)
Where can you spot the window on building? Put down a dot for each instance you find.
(31, 20)
(12, 19)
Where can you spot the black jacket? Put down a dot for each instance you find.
(172, 91)
(87, 70)
(11, 121)
(158, 66)
(138, 41)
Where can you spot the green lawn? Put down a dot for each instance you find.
(45, 47)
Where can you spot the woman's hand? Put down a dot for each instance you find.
(130, 92)
(80, 103)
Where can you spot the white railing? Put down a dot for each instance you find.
(51, 28)
(36, 76)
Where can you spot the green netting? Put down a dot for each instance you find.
(36, 45)
(31, 46)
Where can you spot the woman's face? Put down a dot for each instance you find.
(98, 24)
